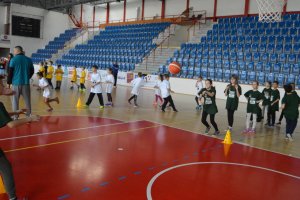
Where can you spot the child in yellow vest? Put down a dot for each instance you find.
(82, 79)
(59, 75)
(42, 68)
(49, 74)
(74, 78)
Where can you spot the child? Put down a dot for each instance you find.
(281, 115)
(44, 85)
(59, 74)
(233, 92)
(157, 90)
(110, 80)
(96, 88)
(49, 74)
(166, 91)
(74, 78)
(136, 86)
(254, 97)
(290, 104)
(266, 99)
(274, 105)
(42, 68)
(6, 120)
(199, 86)
(208, 97)
(82, 79)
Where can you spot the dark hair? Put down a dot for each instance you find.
(255, 82)
(276, 82)
(58, 66)
(235, 77)
(288, 88)
(269, 82)
(200, 77)
(161, 76)
(95, 66)
(42, 63)
(110, 69)
(19, 48)
(167, 76)
(40, 74)
(209, 80)
(140, 74)
(51, 62)
(11, 55)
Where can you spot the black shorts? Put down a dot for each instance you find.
(4, 116)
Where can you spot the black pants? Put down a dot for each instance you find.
(212, 120)
(230, 117)
(166, 101)
(116, 78)
(291, 126)
(91, 97)
(82, 86)
(50, 82)
(271, 117)
(58, 84)
(197, 100)
(109, 97)
(281, 116)
(135, 99)
(7, 176)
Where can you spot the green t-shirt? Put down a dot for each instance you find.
(22, 69)
(209, 105)
(4, 116)
(232, 102)
(267, 96)
(253, 98)
(291, 102)
(274, 96)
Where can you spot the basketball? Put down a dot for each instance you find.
(174, 68)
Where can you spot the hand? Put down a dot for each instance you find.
(236, 86)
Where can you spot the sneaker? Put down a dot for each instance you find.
(207, 130)
(228, 129)
(216, 133)
(85, 106)
(175, 110)
(71, 88)
(278, 123)
(252, 131)
(108, 104)
(163, 110)
(129, 102)
(135, 106)
(101, 107)
(290, 138)
(246, 131)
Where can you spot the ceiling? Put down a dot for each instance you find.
(58, 5)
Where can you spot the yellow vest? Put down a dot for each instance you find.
(82, 77)
(59, 73)
(50, 71)
(74, 76)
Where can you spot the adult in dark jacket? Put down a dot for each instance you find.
(115, 70)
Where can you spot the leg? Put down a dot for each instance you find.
(197, 100)
(7, 176)
(273, 117)
(130, 99)
(161, 100)
(294, 125)
(203, 119)
(15, 100)
(248, 116)
(172, 103)
(116, 78)
(135, 100)
(254, 121)
(166, 101)
(280, 118)
(212, 121)
(100, 98)
(156, 99)
(230, 116)
(27, 98)
(90, 99)
(47, 102)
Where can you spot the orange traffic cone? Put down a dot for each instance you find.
(227, 139)
(226, 149)
(79, 103)
(2, 188)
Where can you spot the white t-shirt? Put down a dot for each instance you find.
(164, 89)
(109, 83)
(136, 85)
(43, 83)
(157, 90)
(199, 86)
(96, 78)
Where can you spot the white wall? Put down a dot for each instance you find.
(52, 24)
(2, 18)
(230, 7)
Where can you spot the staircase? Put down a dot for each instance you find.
(199, 30)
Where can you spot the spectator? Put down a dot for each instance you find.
(20, 72)
(9, 57)
(115, 69)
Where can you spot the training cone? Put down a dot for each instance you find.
(2, 188)
(226, 149)
(79, 103)
(227, 139)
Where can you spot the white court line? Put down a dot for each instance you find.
(150, 184)
(55, 132)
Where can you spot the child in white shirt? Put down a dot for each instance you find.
(165, 89)
(157, 90)
(199, 86)
(109, 86)
(136, 86)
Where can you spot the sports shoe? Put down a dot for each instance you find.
(252, 131)
(175, 110)
(163, 110)
(289, 136)
(246, 131)
(101, 107)
(278, 123)
(85, 106)
(207, 130)
(129, 102)
(216, 133)
(108, 104)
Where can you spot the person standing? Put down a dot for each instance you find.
(109, 86)
(115, 70)
(233, 92)
(165, 89)
(49, 74)
(274, 106)
(267, 95)
(59, 76)
(199, 86)
(137, 83)
(20, 72)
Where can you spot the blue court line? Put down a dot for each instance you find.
(85, 189)
(64, 197)
(122, 178)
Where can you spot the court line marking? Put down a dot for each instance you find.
(67, 130)
(79, 139)
(151, 182)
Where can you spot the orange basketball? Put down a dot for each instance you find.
(174, 68)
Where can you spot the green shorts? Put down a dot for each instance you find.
(4, 116)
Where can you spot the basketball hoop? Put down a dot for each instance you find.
(270, 10)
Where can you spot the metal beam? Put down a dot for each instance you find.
(69, 3)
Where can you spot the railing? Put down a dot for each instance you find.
(196, 22)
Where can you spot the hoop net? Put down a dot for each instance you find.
(270, 10)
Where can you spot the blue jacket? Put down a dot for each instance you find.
(20, 70)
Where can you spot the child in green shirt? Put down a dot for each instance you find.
(274, 105)
(266, 99)
(254, 97)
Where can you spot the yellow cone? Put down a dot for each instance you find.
(227, 139)
(226, 149)
(79, 103)
(2, 188)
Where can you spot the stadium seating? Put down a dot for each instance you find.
(245, 47)
(127, 45)
(53, 46)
